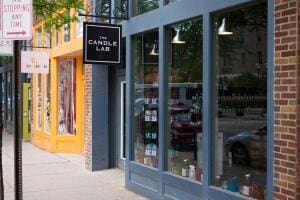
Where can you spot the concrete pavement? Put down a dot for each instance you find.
(49, 176)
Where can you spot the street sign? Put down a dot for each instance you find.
(6, 48)
(36, 62)
(101, 43)
(16, 19)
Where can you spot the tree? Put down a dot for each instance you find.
(51, 11)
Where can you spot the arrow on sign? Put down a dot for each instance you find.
(20, 32)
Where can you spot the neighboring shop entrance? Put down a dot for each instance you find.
(59, 118)
(117, 136)
(122, 132)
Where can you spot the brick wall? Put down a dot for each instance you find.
(88, 116)
(88, 105)
(286, 94)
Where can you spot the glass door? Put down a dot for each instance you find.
(122, 125)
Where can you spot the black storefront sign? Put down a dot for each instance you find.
(101, 43)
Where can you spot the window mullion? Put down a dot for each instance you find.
(208, 100)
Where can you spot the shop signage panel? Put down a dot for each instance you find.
(6, 48)
(16, 19)
(101, 43)
(36, 62)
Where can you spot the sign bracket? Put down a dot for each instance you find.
(35, 47)
(102, 16)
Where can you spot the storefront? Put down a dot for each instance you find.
(7, 93)
(199, 76)
(58, 97)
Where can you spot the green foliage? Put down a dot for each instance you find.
(187, 58)
(247, 83)
(52, 11)
(247, 19)
(146, 5)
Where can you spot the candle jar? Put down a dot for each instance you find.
(185, 169)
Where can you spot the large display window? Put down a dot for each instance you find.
(240, 144)
(47, 104)
(39, 101)
(66, 97)
(197, 90)
(9, 93)
(146, 99)
(185, 100)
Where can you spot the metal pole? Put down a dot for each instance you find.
(1, 142)
(17, 136)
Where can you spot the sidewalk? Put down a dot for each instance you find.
(49, 176)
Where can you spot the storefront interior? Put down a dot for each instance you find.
(199, 86)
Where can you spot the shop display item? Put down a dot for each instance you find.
(150, 131)
(185, 169)
(225, 185)
(192, 172)
(147, 161)
(257, 192)
(199, 174)
(218, 181)
(233, 185)
(245, 186)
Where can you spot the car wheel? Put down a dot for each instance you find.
(240, 155)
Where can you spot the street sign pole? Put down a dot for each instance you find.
(17, 136)
(16, 24)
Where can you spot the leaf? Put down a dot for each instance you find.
(53, 11)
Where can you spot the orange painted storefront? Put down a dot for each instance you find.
(45, 126)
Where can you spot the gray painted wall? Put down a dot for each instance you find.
(100, 137)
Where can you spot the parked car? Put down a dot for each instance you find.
(248, 148)
(185, 126)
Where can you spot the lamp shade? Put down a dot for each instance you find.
(176, 39)
(223, 30)
(154, 51)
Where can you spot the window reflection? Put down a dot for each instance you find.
(67, 97)
(39, 101)
(241, 87)
(172, 1)
(146, 99)
(9, 96)
(47, 103)
(67, 29)
(142, 6)
(185, 100)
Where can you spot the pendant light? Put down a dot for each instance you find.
(222, 29)
(154, 51)
(176, 39)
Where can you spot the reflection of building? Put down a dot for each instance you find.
(248, 53)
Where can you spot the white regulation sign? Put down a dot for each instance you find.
(6, 48)
(16, 19)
